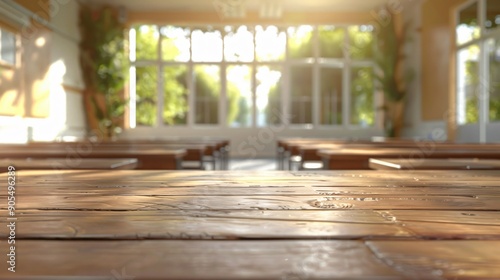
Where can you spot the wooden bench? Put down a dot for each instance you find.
(141, 224)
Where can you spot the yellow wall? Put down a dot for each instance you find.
(250, 18)
(438, 42)
(25, 88)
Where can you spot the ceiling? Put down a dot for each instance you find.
(251, 5)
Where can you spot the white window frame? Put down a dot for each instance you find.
(483, 100)
(316, 62)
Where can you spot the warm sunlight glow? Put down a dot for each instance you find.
(238, 44)
(40, 42)
(465, 33)
(52, 126)
(270, 43)
(207, 46)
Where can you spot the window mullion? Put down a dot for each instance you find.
(346, 84)
(316, 79)
(190, 83)
(132, 80)
(161, 97)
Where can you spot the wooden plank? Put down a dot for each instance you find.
(377, 202)
(160, 189)
(447, 224)
(237, 224)
(202, 225)
(260, 177)
(438, 259)
(148, 189)
(58, 163)
(162, 259)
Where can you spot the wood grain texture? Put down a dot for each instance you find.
(163, 259)
(348, 224)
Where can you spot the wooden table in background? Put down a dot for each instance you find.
(63, 163)
(359, 158)
(154, 158)
(138, 224)
(434, 164)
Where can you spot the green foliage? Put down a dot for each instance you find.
(175, 88)
(495, 110)
(146, 95)
(388, 55)
(300, 45)
(362, 89)
(207, 89)
(331, 41)
(146, 42)
(274, 104)
(361, 42)
(103, 63)
(471, 111)
(237, 108)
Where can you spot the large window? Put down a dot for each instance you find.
(478, 62)
(7, 48)
(251, 76)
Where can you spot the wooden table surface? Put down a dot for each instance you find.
(63, 163)
(138, 224)
(434, 164)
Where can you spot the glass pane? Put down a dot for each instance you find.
(301, 94)
(175, 106)
(175, 45)
(147, 97)
(268, 95)
(239, 95)
(331, 96)
(331, 41)
(494, 69)
(207, 45)
(492, 14)
(147, 37)
(7, 47)
(468, 27)
(300, 44)
(362, 90)
(270, 43)
(207, 93)
(238, 44)
(468, 85)
(361, 39)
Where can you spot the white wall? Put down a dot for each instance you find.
(65, 51)
(414, 126)
(66, 116)
(251, 142)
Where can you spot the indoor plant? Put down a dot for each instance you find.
(103, 63)
(392, 78)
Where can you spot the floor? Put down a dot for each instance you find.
(253, 164)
